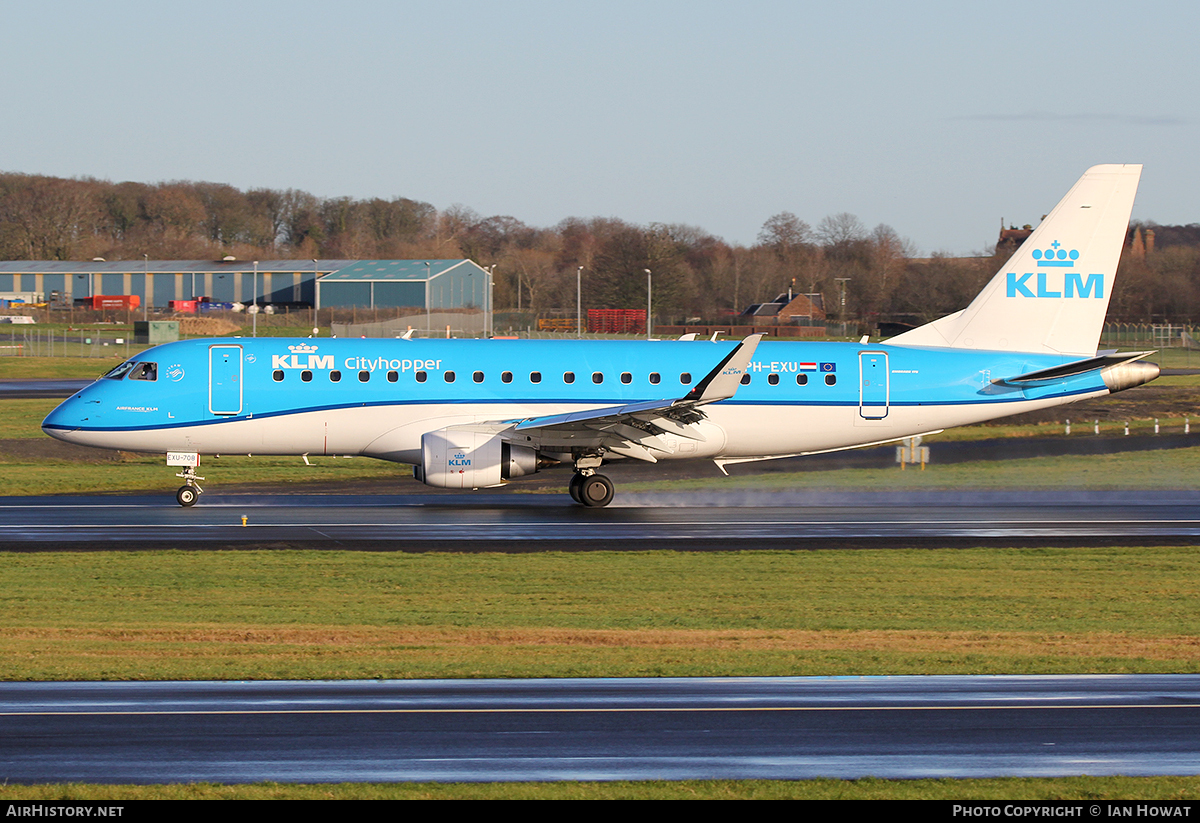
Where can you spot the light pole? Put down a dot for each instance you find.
(92, 280)
(145, 287)
(428, 321)
(254, 302)
(491, 310)
(579, 302)
(843, 281)
(649, 284)
(316, 318)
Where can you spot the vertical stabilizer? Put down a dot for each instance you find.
(1052, 294)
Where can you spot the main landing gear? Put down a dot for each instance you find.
(591, 489)
(190, 490)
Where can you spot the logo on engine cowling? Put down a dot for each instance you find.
(459, 459)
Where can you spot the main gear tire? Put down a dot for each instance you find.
(596, 491)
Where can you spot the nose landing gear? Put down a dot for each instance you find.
(190, 490)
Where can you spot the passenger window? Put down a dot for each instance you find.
(506, 377)
(144, 371)
(686, 378)
(655, 378)
(830, 379)
(626, 377)
(119, 371)
(773, 379)
(364, 376)
(597, 377)
(535, 377)
(393, 376)
(745, 379)
(449, 377)
(477, 377)
(568, 377)
(277, 375)
(421, 376)
(306, 376)
(802, 380)
(335, 376)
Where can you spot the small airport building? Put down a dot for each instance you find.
(421, 284)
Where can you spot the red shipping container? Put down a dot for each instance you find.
(183, 306)
(116, 301)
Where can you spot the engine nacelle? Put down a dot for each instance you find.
(466, 458)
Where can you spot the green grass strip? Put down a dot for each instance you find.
(311, 614)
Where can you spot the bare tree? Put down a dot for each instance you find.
(840, 230)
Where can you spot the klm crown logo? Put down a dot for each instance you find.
(1056, 256)
(1070, 284)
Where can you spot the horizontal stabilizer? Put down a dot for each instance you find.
(1072, 369)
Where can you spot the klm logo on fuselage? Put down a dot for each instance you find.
(1049, 281)
(303, 356)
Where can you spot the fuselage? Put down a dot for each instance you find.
(377, 397)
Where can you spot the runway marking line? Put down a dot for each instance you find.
(654, 524)
(584, 710)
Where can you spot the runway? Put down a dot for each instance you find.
(535, 522)
(20, 389)
(607, 729)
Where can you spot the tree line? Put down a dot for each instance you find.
(696, 274)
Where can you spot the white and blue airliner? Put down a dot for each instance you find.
(470, 414)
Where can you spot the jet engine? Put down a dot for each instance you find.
(471, 458)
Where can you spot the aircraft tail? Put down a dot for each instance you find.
(1052, 295)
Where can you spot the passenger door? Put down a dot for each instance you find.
(225, 379)
(872, 385)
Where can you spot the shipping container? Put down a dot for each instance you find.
(116, 301)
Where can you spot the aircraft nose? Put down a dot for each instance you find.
(68, 417)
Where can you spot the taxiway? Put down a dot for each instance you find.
(606, 729)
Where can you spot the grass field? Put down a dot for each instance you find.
(305, 615)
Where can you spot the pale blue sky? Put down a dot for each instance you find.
(937, 118)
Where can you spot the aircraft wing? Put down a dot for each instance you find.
(633, 429)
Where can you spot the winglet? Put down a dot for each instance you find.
(722, 382)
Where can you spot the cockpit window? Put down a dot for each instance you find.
(120, 371)
(144, 371)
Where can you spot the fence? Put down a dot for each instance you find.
(1148, 335)
(113, 341)
(77, 343)
(433, 324)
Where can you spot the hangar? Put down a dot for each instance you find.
(430, 284)
(420, 284)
